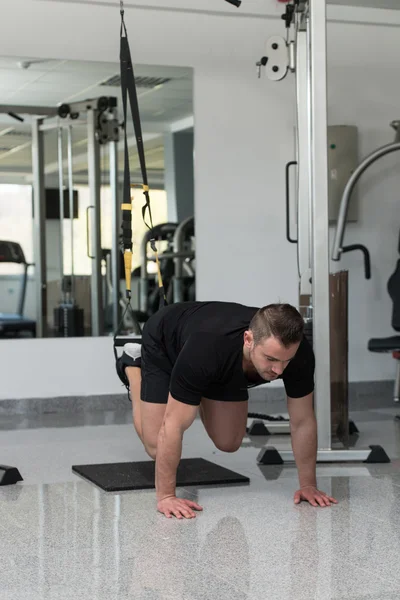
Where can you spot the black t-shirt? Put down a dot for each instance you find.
(202, 345)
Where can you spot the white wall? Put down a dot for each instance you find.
(49, 368)
(243, 138)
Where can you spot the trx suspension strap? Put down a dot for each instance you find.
(128, 88)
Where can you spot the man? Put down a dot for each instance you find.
(203, 356)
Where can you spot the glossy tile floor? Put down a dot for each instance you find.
(63, 538)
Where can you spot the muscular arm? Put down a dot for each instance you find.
(194, 368)
(303, 428)
(178, 418)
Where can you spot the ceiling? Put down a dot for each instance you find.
(165, 99)
(385, 4)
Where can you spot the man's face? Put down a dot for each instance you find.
(270, 358)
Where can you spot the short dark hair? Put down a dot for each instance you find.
(282, 321)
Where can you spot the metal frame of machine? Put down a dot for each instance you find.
(102, 128)
(305, 55)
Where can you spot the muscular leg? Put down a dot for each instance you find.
(145, 379)
(225, 422)
(134, 375)
(147, 416)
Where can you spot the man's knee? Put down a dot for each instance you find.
(151, 451)
(228, 445)
(149, 445)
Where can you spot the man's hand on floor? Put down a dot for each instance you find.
(178, 507)
(312, 495)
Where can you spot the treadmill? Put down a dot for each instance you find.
(13, 324)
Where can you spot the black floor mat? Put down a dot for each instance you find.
(118, 477)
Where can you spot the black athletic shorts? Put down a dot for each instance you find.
(156, 369)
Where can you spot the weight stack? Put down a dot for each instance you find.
(68, 321)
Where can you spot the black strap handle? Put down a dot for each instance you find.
(287, 173)
(128, 88)
(367, 259)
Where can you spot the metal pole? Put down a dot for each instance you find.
(319, 197)
(21, 303)
(115, 251)
(303, 169)
(61, 188)
(39, 226)
(71, 210)
(94, 187)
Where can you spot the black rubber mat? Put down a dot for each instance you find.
(118, 477)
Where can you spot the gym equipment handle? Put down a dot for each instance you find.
(344, 204)
(183, 254)
(367, 259)
(88, 232)
(287, 172)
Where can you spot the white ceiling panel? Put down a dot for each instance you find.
(384, 4)
(248, 5)
(14, 79)
(35, 64)
(77, 79)
(53, 82)
(71, 66)
(196, 6)
(35, 99)
(47, 88)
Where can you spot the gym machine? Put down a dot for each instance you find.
(390, 344)
(177, 270)
(148, 296)
(68, 317)
(12, 324)
(338, 247)
(100, 119)
(174, 261)
(184, 232)
(305, 55)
